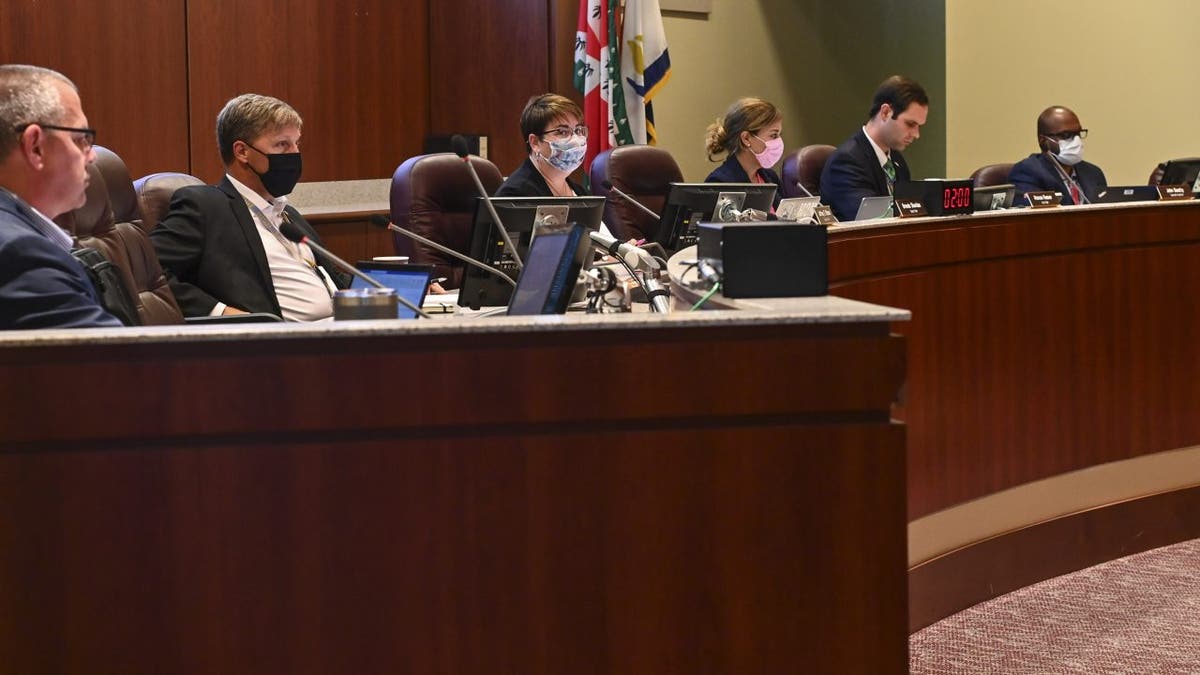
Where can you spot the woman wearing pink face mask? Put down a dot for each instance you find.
(750, 135)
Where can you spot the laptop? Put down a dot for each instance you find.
(1127, 193)
(797, 209)
(410, 281)
(871, 208)
(994, 197)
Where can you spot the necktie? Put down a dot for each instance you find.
(1075, 192)
(889, 169)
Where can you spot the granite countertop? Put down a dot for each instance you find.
(819, 310)
(342, 196)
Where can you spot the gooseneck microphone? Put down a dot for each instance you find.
(803, 189)
(380, 221)
(459, 145)
(636, 258)
(645, 209)
(292, 232)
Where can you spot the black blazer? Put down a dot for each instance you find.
(1036, 173)
(210, 250)
(526, 181)
(731, 171)
(853, 172)
(41, 284)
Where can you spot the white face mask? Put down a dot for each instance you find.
(1070, 152)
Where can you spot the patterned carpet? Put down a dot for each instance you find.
(1139, 614)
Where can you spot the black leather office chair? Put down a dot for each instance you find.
(991, 174)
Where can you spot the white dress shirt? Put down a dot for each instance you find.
(303, 292)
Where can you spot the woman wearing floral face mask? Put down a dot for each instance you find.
(750, 134)
(557, 141)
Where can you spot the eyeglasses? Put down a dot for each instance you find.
(1067, 135)
(564, 132)
(84, 141)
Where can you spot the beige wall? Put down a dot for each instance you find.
(819, 61)
(1128, 71)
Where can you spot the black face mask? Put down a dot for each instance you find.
(282, 174)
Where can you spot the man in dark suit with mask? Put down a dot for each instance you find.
(1059, 167)
(220, 245)
(869, 163)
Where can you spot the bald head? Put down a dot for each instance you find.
(1053, 122)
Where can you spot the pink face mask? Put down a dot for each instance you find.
(770, 155)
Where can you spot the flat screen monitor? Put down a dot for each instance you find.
(689, 204)
(410, 281)
(520, 217)
(556, 256)
(1183, 172)
(994, 197)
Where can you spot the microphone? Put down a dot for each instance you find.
(645, 209)
(381, 221)
(632, 255)
(804, 189)
(292, 232)
(459, 145)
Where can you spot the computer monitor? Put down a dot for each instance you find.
(994, 197)
(556, 256)
(688, 204)
(1183, 172)
(411, 282)
(520, 217)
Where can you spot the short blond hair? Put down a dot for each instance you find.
(249, 116)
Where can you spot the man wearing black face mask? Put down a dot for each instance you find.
(220, 244)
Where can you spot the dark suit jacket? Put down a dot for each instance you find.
(41, 285)
(853, 172)
(731, 171)
(210, 250)
(526, 181)
(1036, 173)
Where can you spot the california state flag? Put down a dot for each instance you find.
(597, 76)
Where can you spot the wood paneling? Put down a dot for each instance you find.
(352, 237)
(128, 59)
(1040, 343)
(357, 71)
(244, 510)
(487, 58)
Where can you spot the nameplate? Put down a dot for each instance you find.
(910, 208)
(1173, 193)
(824, 215)
(1043, 200)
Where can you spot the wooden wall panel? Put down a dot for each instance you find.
(356, 70)
(1040, 343)
(487, 57)
(129, 60)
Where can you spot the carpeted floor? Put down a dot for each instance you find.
(1139, 614)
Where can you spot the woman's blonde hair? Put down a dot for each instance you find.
(746, 114)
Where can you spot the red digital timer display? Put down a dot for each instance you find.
(956, 199)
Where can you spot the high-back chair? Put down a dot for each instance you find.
(991, 174)
(643, 172)
(154, 194)
(434, 196)
(110, 222)
(804, 166)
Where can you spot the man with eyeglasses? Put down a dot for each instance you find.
(1059, 167)
(45, 147)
